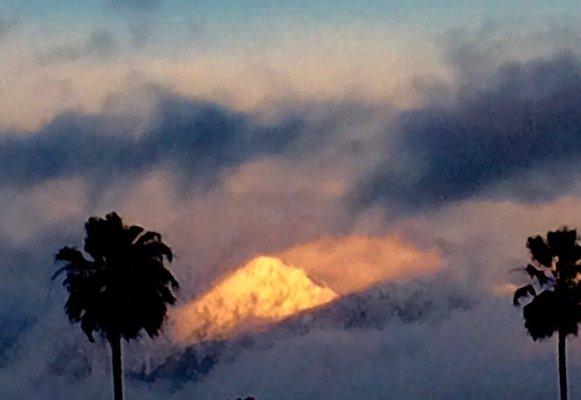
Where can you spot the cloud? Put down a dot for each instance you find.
(198, 138)
(353, 263)
(523, 122)
(447, 357)
(478, 141)
(36, 208)
(100, 45)
(342, 364)
(323, 65)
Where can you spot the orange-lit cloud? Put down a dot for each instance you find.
(353, 263)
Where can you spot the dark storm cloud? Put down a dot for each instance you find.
(99, 45)
(196, 138)
(523, 122)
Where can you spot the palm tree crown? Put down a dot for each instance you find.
(123, 287)
(555, 270)
(558, 307)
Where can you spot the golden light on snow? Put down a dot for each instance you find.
(269, 289)
(263, 291)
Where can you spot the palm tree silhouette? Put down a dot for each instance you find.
(558, 307)
(122, 289)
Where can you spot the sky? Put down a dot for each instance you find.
(396, 154)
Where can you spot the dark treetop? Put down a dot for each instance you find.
(555, 269)
(123, 286)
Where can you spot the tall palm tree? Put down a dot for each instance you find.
(555, 271)
(121, 288)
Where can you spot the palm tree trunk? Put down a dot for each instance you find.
(562, 365)
(115, 341)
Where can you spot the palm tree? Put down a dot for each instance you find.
(123, 286)
(557, 308)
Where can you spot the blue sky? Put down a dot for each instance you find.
(176, 27)
(254, 15)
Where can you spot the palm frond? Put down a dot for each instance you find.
(535, 273)
(540, 251)
(156, 250)
(540, 316)
(557, 308)
(133, 232)
(148, 236)
(114, 219)
(524, 291)
(75, 261)
(562, 240)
